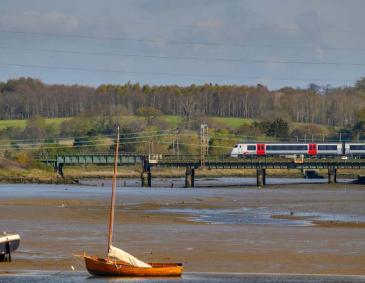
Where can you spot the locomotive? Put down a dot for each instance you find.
(304, 149)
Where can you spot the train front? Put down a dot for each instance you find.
(234, 152)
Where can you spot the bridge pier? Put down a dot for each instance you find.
(332, 175)
(59, 169)
(260, 177)
(149, 179)
(146, 178)
(189, 177)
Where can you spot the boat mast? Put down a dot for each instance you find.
(114, 183)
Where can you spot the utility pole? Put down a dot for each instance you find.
(204, 143)
(177, 144)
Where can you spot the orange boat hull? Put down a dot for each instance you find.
(105, 267)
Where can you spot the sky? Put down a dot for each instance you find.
(276, 43)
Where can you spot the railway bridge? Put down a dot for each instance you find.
(191, 163)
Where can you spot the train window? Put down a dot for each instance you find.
(327, 147)
(302, 147)
(286, 147)
(251, 147)
(357, 147)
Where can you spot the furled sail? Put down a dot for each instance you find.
(124, 256)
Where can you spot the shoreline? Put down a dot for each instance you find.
(73, 175)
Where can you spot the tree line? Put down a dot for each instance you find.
(25, 98)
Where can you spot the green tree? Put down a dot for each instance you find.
(358, 131)
(279, 128)
(361, 115)
(360, 84)
(307, 131)
(36, 128)
(149, 113)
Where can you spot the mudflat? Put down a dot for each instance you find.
(277, 229)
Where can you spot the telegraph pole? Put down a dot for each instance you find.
(177, 147)
(204, 143)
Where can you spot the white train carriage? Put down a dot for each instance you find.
(355, 149)
(311, 149)
(330, 149)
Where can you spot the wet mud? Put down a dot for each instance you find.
(252, 230)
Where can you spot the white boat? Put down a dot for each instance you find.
(8, 244)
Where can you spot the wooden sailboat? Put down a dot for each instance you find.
(119, 262)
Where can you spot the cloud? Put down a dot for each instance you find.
(41, 22)
(319, 52)
(284, 29)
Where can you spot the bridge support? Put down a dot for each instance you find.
(189, 177)
(146, 178)
(261, 177)
(332, 175)
(149, 179)
(59, 169)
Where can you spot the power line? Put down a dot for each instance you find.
(137, 136)
(82, 69)
(230, 60)
(176, 42)
(69, 146)
(199, 145)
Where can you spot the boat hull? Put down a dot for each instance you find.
(8, 244)
(104, 267)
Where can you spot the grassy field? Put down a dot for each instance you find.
(174, 121)
(233, 123)
(56, 122)
(12, 123)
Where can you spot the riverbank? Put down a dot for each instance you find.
(74, 174)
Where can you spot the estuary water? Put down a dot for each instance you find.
(186, 278)
(219, 233)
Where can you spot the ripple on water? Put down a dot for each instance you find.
(259, 216)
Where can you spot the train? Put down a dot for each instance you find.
(345, 149)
